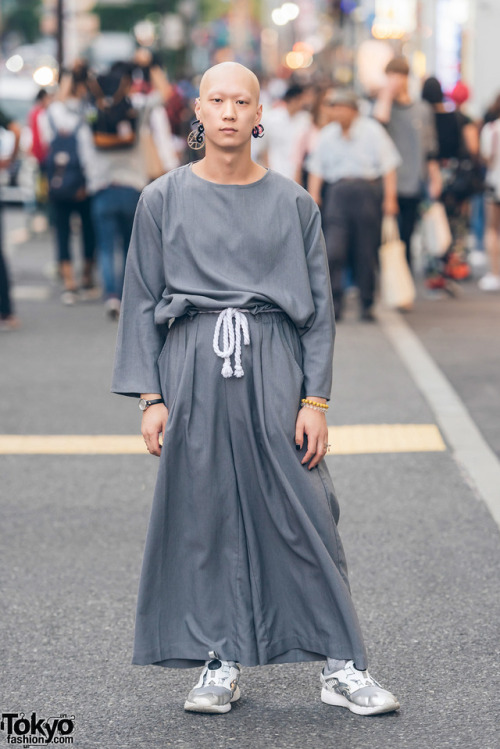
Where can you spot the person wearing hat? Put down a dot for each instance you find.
(357, 160)
(410, 123)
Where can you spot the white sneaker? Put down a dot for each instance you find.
(477, 258)
(217, 687)
(69, 298)
(357, 691)
(112, 307)
(489, 282)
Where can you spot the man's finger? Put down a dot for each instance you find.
(155, 443)
(152, 443)
(320, 454)
(311, 450)
(299, 435)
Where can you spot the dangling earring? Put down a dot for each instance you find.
(258, 131)
(196, 138)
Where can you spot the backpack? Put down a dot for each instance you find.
(113, 119)
(64, 170)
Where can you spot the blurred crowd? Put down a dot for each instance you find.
(416, 163)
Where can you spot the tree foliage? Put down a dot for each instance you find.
(23, 17)
(124, 17)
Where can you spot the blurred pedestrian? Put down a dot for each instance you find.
(150, 96)
(8, 320)
(40, 140)
(321, 116)
(39, 127)
(461, 173)
(458, 136)
(490, 149)
(224, 245)
(460, 95)
(285, 126)
(118, 167)
(356, 160)
(411, 126)
(67, 175)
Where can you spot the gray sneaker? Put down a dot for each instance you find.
(357, 691)
(217, 687)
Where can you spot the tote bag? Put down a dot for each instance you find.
(152, 162)
(396, 283)
(436, 230)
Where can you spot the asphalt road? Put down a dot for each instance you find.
(423, 550)
(463, 336)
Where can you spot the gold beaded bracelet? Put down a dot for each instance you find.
(314, 404)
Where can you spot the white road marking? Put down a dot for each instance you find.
(31, 293)
(469, 447)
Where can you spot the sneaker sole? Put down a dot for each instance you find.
(194, 707)
(332, 698)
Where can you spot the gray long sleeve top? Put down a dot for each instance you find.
(200, 244)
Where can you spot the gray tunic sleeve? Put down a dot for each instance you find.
(140, 339)
(318, 339)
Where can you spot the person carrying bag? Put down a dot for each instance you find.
(397, 289)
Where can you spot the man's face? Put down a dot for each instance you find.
(344, 115)
(228, 106)
(397, 82)
(297, 104)
(308, 99)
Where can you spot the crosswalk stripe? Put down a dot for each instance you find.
(355, 439)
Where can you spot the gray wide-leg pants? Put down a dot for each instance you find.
(242, 553)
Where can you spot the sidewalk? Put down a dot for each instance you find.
(422, 548)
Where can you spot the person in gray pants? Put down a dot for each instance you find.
(355, 160)
(226, 330)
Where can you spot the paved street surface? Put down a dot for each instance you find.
(422, 547)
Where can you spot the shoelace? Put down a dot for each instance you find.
(223, 674)
(231, 339)
(360, 678)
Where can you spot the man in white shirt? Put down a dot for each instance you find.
(285, 126)
(357, 160)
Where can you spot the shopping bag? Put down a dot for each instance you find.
(152, 162)
(396, 283)
(436, 231)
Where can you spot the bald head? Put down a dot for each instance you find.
(230, 74)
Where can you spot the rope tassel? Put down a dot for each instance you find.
(231, 340)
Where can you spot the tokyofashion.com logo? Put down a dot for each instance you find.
(34, 731)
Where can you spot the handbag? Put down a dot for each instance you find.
(436, 230)
(396, 283)
(152, 162)
(466, 180)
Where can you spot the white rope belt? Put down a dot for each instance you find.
(231, 339)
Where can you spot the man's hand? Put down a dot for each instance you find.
(435, 180)
(154, 422)
(313, 424)
(390, 206)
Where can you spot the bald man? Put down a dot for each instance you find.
(226, 336)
